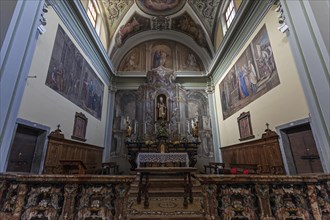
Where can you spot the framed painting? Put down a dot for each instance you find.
(79, 128)
(244, 125)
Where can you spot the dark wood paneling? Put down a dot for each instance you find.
(63, 149)
(265, 151)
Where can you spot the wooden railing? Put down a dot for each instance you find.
(63, 196)
(266, 197)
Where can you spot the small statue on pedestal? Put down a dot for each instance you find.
(128, 127)
(195, 128)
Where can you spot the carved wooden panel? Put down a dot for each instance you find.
(63, 149)
(265, 151)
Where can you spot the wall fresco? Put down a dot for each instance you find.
(70, 75)
(253, 75)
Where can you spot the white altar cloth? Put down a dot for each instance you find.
(162, 158)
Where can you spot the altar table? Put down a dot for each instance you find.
(162, 158)
(185, 172)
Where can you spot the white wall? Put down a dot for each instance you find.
(45, 106)
(282, 104)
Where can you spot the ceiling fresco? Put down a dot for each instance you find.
(187, 25)
(115, 11)
(160, 7)
(165, 53)
(191, 21)
(206, 11)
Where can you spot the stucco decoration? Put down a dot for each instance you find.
(160, 7)
(206, 11)
(184, 23)
(116, 9)
(165, 53)
(136, 24)
(135, 60)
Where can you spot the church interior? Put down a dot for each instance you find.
(165, 109)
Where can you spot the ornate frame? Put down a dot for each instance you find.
(244, 125)
(79, 127)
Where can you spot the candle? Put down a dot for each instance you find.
(145, 128)
(169, 128)
(179, 128)
(135, 124)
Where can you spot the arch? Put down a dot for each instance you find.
(175, 36)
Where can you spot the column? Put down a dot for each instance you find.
(309, 40)
(215, 125)
(15, 61)
(109, 125)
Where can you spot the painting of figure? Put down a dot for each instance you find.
(70, 75)
(184, 23)
(134, 60)
(136, 24)
(187, 60)
(161, 55)
(253, 75)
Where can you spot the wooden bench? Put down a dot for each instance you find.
(72, 167)
(110, 168)
(215, 168)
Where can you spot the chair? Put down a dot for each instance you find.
(218, 168)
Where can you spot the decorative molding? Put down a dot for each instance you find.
(206, 11)
(160, 23)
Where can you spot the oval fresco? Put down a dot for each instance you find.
(160, 7)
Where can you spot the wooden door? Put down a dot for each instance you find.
(22, 149)
(305, 155)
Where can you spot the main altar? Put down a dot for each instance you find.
(162, 116)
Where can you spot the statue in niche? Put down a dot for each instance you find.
(195, 127)
(161, 108)
(128, 127)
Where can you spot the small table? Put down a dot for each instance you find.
(73, 167)
(182, 171)
(162, 158)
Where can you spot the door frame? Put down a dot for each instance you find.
(41, 145)
(285, 147)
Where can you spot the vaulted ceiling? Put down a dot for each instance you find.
(186, 25)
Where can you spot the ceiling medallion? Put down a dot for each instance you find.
(160, 7)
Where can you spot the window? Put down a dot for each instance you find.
(230, 13)
(92, 12)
